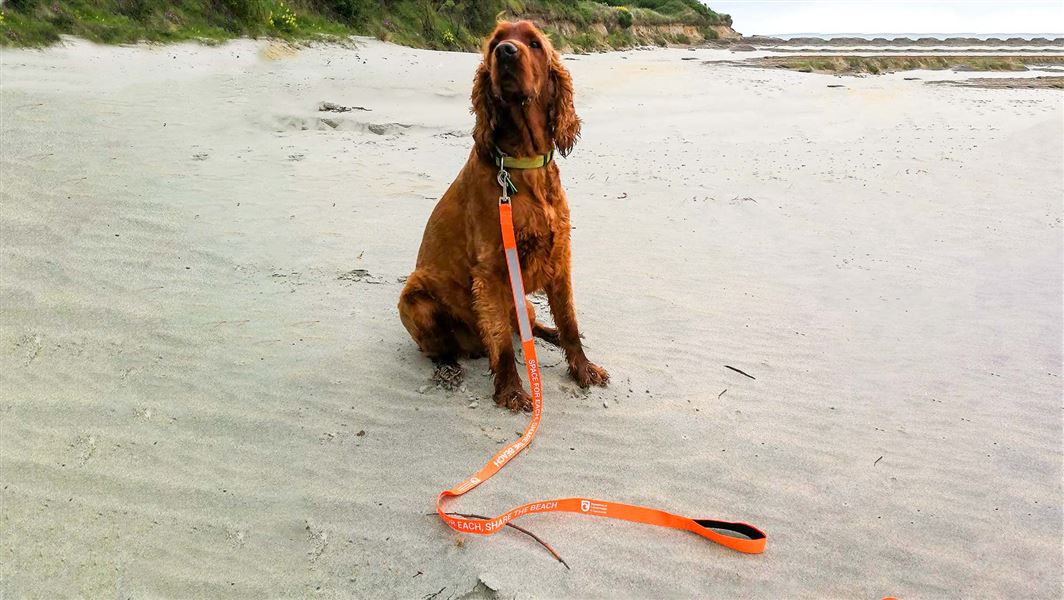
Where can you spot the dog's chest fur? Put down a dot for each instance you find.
(536, 225)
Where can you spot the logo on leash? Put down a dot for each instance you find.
(595, 508)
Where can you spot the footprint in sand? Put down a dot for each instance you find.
(320, 539)
(359, 276)
(32, 347)
(84, 448)
(235, 536)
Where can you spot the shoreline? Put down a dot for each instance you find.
(959, 40)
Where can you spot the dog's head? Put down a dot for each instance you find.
(521, 69)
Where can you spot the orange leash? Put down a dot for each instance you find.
(753, 540)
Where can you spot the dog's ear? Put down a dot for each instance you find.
(564, 123)
(484, 111)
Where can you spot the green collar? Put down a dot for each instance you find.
(522, 162)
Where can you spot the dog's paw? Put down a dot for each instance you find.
(515, 399)
(587, 373)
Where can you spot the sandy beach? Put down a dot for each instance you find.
(206, 390)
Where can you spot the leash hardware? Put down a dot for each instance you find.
(505, 183)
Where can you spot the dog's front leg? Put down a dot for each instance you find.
(493, 303)
(560, 296)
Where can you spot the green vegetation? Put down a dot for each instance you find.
(440, 24)
(851, 65)
(691, 11)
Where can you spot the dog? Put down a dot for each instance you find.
(458, 303)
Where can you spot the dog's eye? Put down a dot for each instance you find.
(535, 45)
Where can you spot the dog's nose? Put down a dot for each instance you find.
(506, 50)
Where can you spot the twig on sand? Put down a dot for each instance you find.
(519, 528)
(739, 371)
(877, 461)
(431, 596)
(721, 394)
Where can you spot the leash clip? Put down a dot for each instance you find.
(504, 182)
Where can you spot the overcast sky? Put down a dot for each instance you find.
(896, 16)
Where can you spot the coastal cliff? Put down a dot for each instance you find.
(438, 24)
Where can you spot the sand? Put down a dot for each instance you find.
(207, 392)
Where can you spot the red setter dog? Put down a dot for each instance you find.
(457, 302)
